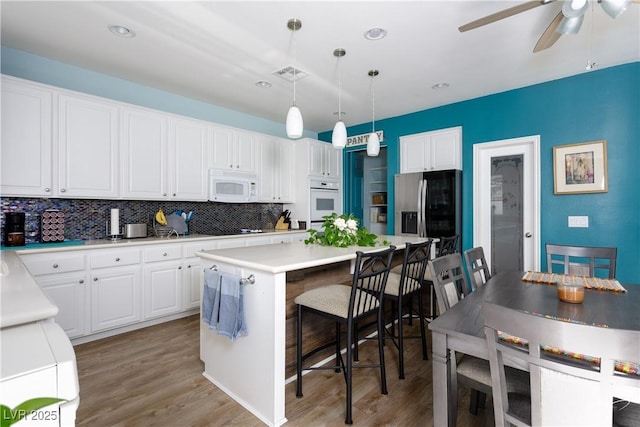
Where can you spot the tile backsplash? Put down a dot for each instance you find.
(88, 219)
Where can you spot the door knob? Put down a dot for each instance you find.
(528, 234)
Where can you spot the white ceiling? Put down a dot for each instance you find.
(216, 51)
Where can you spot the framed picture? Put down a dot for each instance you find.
(580, 168)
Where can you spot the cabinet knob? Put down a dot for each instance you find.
(55, 265)
(231, 166)
(174, 194)
(95, 279)
(117, 259)
(164, 194)
(62, 190)
(48, 190)
(189, 266)
(164, 254)
(180, 268)
(81, 281)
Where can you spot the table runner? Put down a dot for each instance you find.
(588, 282)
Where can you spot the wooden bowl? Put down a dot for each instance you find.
(571, 293)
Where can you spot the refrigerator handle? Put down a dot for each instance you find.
(425, 206)
(420, 209)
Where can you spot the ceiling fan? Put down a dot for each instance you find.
(567, 21)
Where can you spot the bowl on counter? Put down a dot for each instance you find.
(570, 292)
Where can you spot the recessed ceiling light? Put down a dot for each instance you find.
(121, 31)
(263, 83)
(440, 86)
(375, 34)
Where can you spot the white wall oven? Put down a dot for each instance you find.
(325, 200)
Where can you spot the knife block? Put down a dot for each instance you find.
(281, 225)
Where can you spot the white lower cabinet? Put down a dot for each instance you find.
(191, 283)
(162, 288)
(100, 292)
(115, 297)
(69, 292)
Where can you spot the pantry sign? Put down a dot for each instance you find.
(353, 141)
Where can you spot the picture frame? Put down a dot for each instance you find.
(580, 168)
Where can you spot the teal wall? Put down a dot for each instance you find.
(602, 104)
(32, 67)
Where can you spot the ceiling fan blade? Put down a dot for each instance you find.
(550, 35)
(503, 14)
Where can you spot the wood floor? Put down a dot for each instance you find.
(153, 377)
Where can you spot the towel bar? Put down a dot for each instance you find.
(243, 281)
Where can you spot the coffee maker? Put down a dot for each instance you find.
(14, 229)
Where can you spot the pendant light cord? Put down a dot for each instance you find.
(590, 64)
(339, 91)
(293, 43)
(373, 91)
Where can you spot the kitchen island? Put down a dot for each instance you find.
(252, 369)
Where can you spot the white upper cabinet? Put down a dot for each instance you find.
(325, 160)
(188, 145)
(232, 149)
(276, 170)
(430, 151)
(87, 147)
(25, 163)
(144, 146)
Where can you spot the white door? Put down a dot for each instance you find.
(506, 202)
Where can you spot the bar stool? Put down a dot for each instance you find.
(348, 305)
(402, 288)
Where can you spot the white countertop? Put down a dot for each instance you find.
(297, 255)
(21, 300)
(108, 243)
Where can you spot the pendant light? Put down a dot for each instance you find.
(373, 142)
(339, 136)
(294, 123)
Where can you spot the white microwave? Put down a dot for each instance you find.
(232, 186)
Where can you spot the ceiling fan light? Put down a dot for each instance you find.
(294, 123)
(570, 25)
(373, 145)
(339, 136)
(614, 8)
(574, 8)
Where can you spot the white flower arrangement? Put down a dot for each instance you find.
(342, 231)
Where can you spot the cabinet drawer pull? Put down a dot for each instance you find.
(164, 254)
(47, 189)
(117, 259)
(55, 265)
(62, 190)
(95, 279)
(180, 268)
(81, 281)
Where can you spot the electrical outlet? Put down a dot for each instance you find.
(579, 221)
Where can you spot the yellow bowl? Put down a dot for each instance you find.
(570, 293)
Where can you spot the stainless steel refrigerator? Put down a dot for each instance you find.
(428, 204)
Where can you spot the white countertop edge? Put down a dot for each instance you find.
(294, 256)
(21, 299)
(106, 243)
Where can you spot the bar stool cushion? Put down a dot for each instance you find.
(393, 285)
(332, 299)
(398, 270)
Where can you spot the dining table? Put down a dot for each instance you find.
(461, 328)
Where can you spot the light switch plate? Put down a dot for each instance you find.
(579, 221)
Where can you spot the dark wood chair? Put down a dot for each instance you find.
(401, 290)
(348, 305)
(477, 267)
(582, 260)
(597, 378)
